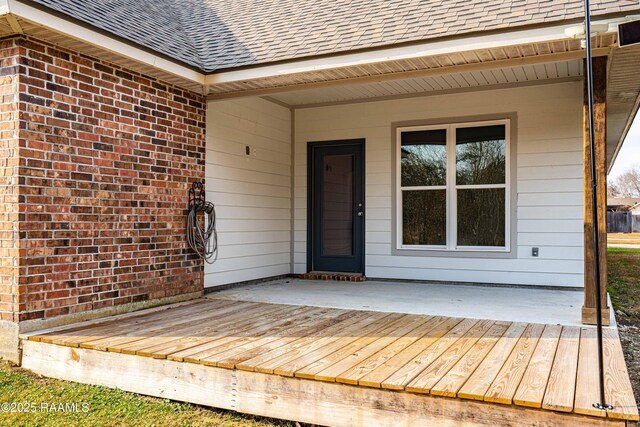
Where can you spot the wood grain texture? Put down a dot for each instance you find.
(534, 382)
(313, 347)
(436, 370)
(276, 396)
(480, 381)
(549, 368)
(617, 386)
(587, 380)
(560, 391)
(225, 333)
(458, 375)
(599, 66)
(381, 373)
(354, 374)
(506, 382)
(384, 338)
(408, 372)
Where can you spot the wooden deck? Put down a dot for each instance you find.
(508, 366)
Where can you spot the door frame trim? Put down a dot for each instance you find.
(311, 146)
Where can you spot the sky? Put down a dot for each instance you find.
(629, 154)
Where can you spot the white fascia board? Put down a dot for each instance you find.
(55, 23)
(462, 44)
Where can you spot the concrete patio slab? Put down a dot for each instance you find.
(514, 304)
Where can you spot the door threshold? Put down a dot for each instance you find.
(328, 275)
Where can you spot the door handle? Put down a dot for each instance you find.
(360, 213)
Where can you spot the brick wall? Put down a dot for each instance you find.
(106, 157)
(9, 246)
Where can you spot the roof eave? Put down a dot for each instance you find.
(61, 23)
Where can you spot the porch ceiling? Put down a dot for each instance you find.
(434, 84)
(445, 61)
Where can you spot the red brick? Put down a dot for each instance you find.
(96, 143)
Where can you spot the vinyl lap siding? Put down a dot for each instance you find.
(549, 182)
(252, 193)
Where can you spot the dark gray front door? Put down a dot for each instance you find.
(336, 206)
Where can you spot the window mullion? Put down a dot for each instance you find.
(452, 205)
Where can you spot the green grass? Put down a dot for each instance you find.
(624, 250)
(106, 407)
(623, 266)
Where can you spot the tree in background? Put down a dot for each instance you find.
(625, 185)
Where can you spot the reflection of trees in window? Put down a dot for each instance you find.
(424, 217)
(480, 155)
(477, 190)
(481, 161)
(423, 165)
(481, 216)
(424, 158)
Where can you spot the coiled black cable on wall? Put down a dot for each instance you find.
(201, 224)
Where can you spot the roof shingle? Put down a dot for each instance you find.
(215, 34)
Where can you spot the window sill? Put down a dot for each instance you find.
(455, 253)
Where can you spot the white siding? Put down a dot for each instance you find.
(252, 193)
(549, 182)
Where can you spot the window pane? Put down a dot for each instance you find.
(423, 158)
(481, 217)
(480, 155)
(337, 205)
(424, 217)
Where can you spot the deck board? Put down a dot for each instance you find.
(299, 360)
(436, 370)
(354, 374)
(347, 345)
(480, 380)
(618, 391)
(506, 382)
(408, 372)
(587, 385)
(193, 326)
(560, 392)
(545, 367)
(534, 382)
(453, 380)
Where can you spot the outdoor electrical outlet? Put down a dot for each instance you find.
(534, 251)
(247, 150)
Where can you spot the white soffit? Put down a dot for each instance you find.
(501, 57)
(444, 83)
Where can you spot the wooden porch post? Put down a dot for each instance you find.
(600, 130)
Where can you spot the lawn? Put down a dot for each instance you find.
(624, 280)
(106, 407)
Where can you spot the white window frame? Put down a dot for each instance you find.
(451, 188)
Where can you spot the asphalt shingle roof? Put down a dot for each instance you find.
(217, 34)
